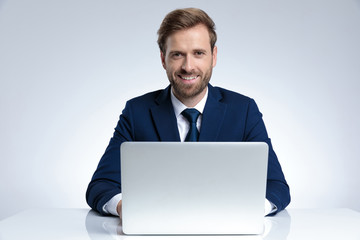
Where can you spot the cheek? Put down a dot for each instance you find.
(170, 70)
(205, 66)
(172, 67)
(204, 63)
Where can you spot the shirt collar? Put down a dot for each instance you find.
(179, 106)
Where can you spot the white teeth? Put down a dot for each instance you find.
(188, 78)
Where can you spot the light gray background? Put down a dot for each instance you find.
(67, 67)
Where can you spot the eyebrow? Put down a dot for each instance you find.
(200, 50)
(195, 50)
(175, 51)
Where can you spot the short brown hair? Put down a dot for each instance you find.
(181, 19)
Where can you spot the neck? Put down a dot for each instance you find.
(191, 101)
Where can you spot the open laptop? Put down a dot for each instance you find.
(193, 187)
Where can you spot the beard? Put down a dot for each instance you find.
(188, 91)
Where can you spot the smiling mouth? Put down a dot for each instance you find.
(187, 78)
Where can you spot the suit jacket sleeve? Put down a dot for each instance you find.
(277, 190)
(105, 182)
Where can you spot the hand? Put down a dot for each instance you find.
(118, 209)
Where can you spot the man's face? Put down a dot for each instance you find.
(188, 62)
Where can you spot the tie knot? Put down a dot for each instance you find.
(191, 114)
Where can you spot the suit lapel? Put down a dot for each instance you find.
(164, 118)
(213, 116)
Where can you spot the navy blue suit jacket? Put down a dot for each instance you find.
(227, 117)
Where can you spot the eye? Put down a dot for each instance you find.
(199, 53)
(176, 55)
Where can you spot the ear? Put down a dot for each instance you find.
(162, 59)
(214, 56)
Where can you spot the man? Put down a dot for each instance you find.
(188, 54)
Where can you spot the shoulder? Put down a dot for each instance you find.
(228, 96)
(147, 97)
(233, 100)
(150, 98)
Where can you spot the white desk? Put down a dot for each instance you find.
(86, 224)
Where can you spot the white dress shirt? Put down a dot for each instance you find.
(183, 127)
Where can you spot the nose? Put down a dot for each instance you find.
(188, 64)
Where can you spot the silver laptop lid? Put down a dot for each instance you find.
(193, 188)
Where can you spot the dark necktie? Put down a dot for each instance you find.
(191, 114)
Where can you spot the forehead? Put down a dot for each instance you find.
(191, 38)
